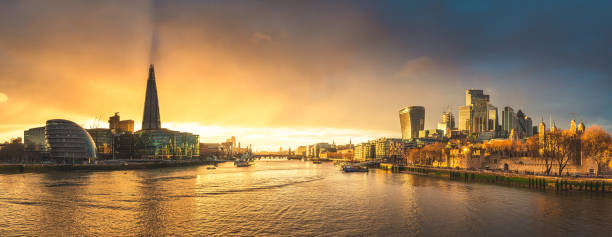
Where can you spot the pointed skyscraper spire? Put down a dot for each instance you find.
(150, 117)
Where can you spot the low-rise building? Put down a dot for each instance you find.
(68, 142)
(34, 139)
(167, 144)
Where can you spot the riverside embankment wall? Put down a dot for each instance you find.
(547, 183)
(25, 168)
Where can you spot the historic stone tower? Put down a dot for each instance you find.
(150, 117)
(542, 136)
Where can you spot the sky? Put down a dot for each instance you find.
(288, 73)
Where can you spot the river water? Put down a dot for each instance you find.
(287, 198)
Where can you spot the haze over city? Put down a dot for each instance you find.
(284, 73)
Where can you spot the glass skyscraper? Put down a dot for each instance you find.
(412, 120)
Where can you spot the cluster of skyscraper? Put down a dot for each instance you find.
(65, 141)
(477, 117)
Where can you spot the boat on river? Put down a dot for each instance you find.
(354, 168)
(244, 161)
(316, 161)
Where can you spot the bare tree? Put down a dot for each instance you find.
(596, 145)
(562, 146)
(533, 146)
(549, 150)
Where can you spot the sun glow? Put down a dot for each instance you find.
(272, 138)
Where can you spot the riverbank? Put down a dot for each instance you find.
(544, 183)
(121, 165)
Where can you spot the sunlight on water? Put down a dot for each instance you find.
(289, 198)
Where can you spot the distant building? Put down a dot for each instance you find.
(432, 133)
(113, 123)
(474, 116)
(116, 141)
(34, 139)
(322, 147)
(103, 138)
(301, 150)
(346, 152)
(478, 116)
(68, 142)
(388, 149)
(528, 127)
(412, 120)
(154, 142)
(125, 146)
(465, 115)
(210, 150)
(382, 147)
(508, 120)
(126, 126)
(370, 150)
(581, 127)
(310, 151)
(364, 151)
(167, 144)
(493, 119)
(359, 152)
(447, 122)
(523, 127)
(151, 118)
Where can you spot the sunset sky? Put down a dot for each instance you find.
(287, 73)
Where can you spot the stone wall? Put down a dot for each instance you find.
(529, 165)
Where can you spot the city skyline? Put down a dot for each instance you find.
(218, 86)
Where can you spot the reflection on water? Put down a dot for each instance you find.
(286, 198)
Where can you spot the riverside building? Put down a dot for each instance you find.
(155, 142)
(68, 142)
(34, 139)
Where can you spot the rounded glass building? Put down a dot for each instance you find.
(68, 142)
(412, 120)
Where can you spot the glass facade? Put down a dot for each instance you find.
(67, 142)
(412, 120)
(34, 139)
(166, 144)
(104, 141)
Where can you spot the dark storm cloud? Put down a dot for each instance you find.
(557, 52)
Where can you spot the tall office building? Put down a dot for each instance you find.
(448, 118)
(151, 118)
(465, 116)
(523, 125)
(474, 116)
(447, 122)
(493, 118)
(152, 141)
(528, 127)
(113, 123)
(412, 120)
(508, 119)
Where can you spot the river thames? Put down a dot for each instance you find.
(287, 198)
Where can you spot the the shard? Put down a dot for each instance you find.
(150, 118)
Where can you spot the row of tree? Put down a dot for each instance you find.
(12, 151)
(554, 148)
